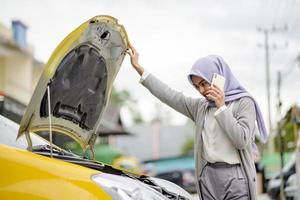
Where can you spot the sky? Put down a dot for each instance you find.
(171, 35)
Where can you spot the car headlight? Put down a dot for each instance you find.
(124, 188)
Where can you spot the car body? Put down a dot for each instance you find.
(273, 188)
(69, 99)
(292, 189)
(178, 169)
(184, 178)
(36, 175)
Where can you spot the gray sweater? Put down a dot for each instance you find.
(239, 125)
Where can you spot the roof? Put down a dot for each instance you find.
(111, 123)
(17, 21)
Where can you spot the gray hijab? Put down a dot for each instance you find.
(207, 66)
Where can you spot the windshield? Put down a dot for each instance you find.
(8, 135)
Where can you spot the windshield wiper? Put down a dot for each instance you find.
(73, 158)
(40, 149)
(61, 154)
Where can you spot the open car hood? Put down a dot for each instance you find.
(79, 73)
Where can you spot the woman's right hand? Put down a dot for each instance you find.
(134, 59)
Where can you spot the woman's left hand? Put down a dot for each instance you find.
(214, 93)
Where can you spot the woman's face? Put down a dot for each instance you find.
(201, 85)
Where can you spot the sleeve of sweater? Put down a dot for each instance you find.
(186, 105)
(239, 128)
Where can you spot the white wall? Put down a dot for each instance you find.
(142, 143)
(36, 74)
(18, 77)
(2, 72)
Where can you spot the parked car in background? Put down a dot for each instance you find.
(292, 189)
(185, 178)
(274, 183)
(178, 169)
(69, 99)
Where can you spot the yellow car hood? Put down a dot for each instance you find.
(79, 73)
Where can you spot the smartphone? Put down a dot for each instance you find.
(218, 80)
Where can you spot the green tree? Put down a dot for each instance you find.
(289, 139)
(188, 147)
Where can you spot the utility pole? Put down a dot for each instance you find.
(298, 148)
(280, 78)
(266, 32)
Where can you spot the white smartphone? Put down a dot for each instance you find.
(218, 80)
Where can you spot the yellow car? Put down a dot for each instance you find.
(69, 99)
(128, 163)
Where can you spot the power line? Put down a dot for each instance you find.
(284, 74)
(266, 46)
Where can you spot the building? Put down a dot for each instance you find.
(154, 141)
(19, 70)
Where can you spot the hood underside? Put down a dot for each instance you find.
(76, 82)
(78, 88)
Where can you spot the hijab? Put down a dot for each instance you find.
(207, 66)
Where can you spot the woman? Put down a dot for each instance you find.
(225, 127)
